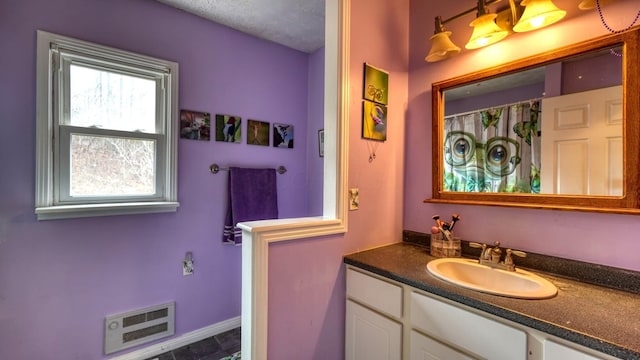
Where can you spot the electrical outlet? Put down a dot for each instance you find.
(354, 199)
(187, 264)
(187, 267)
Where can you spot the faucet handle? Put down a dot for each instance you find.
(517, 253)
(476, 245)
(508, 260)
(485, 253)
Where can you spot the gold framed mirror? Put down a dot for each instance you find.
(479, 169)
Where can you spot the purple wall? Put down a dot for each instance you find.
(84, 269)
(497, 98)
(315, 122)
(59, 279)
(593, 73)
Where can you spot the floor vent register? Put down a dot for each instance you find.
(138, 327)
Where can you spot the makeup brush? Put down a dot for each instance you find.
(454, 219)
(438, 221)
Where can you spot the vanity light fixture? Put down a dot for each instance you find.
(591, 4)
(537, 14)
(441, 45)
(485, 29)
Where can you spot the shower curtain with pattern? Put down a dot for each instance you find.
(493, 150)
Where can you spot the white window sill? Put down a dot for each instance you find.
(79, 211)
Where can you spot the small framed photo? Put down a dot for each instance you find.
(257, 133)
(195, 125)
(228, 128)
(321, 142)
(283, 136)
(374, 121)
(375, 85)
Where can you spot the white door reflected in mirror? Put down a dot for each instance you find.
(582, 143)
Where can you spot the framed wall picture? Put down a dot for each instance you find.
(195, 125)
(283, 135)
(228, 128)
(374, 121)
(375, 85)
(257, 132)
(321, 142)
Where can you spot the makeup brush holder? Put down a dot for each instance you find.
(442, 247)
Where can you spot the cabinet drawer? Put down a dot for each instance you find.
(466, 330)
(376, 293)
(423, 347)
(553, 350)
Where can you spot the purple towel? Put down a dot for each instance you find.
(253, 195)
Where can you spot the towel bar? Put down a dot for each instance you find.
(214, 168)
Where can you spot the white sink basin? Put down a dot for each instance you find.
(470, 274)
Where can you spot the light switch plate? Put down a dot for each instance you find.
(354, 199)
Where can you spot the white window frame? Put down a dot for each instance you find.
(52, 138)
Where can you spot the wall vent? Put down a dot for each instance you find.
(137, 327)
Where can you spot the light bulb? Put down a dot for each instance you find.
(536, 22)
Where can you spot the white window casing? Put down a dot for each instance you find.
(55, 132)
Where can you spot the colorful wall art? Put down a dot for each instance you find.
(257, 133)
(283, 136)
(376, 84)
(195, 125)
(375, 91)
(374, 121)
(321, 142)
(228, 128)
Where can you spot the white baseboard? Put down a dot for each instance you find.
(180, 341)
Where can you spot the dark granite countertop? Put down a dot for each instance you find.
(600, 318)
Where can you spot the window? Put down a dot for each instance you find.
(106, 131)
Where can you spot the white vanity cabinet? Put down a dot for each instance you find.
(389, 320)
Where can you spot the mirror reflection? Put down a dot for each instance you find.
(550, 129)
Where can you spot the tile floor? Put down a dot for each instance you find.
(222, 346)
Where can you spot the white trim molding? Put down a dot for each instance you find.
(257, 235)
(55, 55)
(182, 340)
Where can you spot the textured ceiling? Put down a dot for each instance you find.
(298, 24)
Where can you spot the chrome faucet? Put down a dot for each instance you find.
(490, 256)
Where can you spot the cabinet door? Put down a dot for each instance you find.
(371, 336)
(425, 348)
